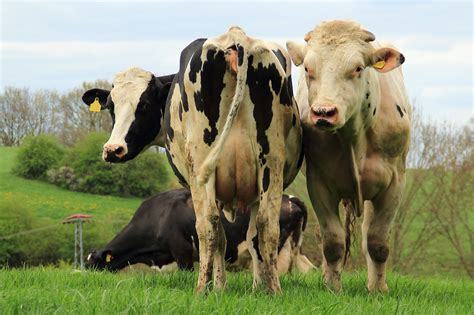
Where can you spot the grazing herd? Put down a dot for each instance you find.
(236, 137)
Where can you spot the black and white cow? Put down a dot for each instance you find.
(232, 94)
(162, 233)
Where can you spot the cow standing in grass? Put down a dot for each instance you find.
(356, 124)
(234, 134)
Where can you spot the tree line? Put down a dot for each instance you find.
(30, 113)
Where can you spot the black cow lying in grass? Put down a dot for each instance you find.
(162, 233)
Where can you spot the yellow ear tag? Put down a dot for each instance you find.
(95, 106)
(379, 64)
(108, 258)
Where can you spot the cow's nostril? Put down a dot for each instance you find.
(119, 150)
(331, 112)
(325, 111)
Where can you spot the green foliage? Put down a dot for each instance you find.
(14, 218)
(142, 177)
(92, 173)
(49, 290)
(147, 174)
(37, 155)
(27, 239)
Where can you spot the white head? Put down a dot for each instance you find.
(338, 59)
(136, 102)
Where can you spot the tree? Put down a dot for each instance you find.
(23, 113)
(76, 119)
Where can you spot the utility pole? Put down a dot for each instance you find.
(78, 220)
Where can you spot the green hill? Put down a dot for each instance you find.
(49, 201)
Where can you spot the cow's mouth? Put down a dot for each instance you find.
(324, 124)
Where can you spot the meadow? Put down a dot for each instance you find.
(54, 289)
(50, 291)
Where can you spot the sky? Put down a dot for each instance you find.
(60, 44)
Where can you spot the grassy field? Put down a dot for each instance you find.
(52, 202)
(48, 291)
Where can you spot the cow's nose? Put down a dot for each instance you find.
(114, 152)
(324, 115)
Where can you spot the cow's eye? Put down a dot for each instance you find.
(359, 69)
(306, 69)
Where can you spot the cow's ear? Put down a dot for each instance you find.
(386, 59)
(96, 95)
(296, 51)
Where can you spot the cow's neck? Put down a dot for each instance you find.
(353, 136)
(161, 102)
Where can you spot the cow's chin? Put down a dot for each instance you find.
(325, 125)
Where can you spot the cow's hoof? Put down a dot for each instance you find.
(333, 282)
(220, 285)
(274, 288)
(381, 287)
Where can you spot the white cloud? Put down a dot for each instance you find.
(68, 49)
(446, 90)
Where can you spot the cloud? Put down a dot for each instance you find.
(446, 90)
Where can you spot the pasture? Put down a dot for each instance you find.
(50, 290)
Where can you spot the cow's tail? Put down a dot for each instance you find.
(302, 206)
(350, 221)
(208, 167)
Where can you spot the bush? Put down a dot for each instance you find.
(36, 155)
(63, 177)
(146, 175)
(92, 174)
(85, 171)
(14, 219)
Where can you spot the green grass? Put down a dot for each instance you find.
(48, 291)
(49, 201)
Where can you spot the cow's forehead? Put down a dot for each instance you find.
(343, 55)
(129, 85)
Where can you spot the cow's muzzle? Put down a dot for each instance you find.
(114, 152)
(324, 117)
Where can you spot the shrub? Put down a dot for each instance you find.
(36, 155)
(148, 174)
(14, 219)
(85, 171)
(63, 177)
(92, 174)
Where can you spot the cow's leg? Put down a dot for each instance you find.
(332, 233)
(207, 220)
(219, 253)
(251, 233)
(268, 225)
(378, 217)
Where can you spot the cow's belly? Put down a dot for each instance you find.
(236, 172)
